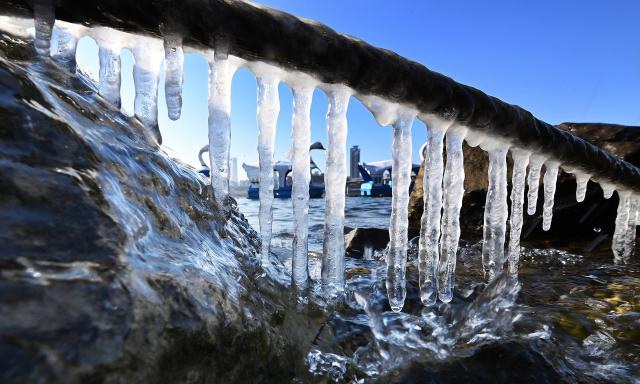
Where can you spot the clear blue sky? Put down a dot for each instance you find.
(576, 61)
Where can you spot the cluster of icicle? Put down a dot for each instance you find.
(440, 228)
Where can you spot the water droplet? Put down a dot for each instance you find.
(596, 230)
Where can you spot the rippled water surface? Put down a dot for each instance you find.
(569, 318)
(360, 212)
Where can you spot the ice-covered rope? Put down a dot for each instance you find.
(547, 146)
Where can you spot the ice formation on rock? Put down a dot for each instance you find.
(268, 109)
(174, 77)
(619, 242)
(582, 181)
(520, 162)
(453, 185)
(220, 75)
(335, 179)
(300, 160)
(632, 223)
(428, 253)
(401, 173)
(495, 212)
(44, 14)
(607, 190)
(147, 58)
(535, 165)
(64, 41)
(550, 177)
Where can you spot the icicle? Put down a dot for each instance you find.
(65, 40)
(401, 173)
(581, 190)
(453, 187)
(550, 177)
(607, 190)
(630, 236)
(618, 243)
(495, 213)
(333, 257)
(110, 78)
(268, 109)
(428, 255)
(147, 59)
(301, 175)
(220, 75)
(174, 77)
(44, 13)
(535, 164)
(520, 162)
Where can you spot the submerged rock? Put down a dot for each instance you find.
(357, 240)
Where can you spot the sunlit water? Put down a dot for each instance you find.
(569, 317)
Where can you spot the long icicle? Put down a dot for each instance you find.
(428, 254)
(333, 256)
(520, 162)
(220, 76)
(44, 14)
(495, 214)
(454, 188)
(582, 180)
(110, 69)
(268, 109)
(630, 236)
(301, 175)
(65, 40)
(622, 221)
(550, 177)
(147, 59)
(174, 76)
(535, 165)
(401, 173)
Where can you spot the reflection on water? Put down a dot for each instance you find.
(360, 212)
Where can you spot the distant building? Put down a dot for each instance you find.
(354, 172)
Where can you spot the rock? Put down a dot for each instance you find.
(591, 221)
(356, 240)
(619, 140)
(115, 265)
(490, 364)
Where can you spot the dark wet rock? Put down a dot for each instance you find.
(501, 362)
(356, 240)
(589, 223)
